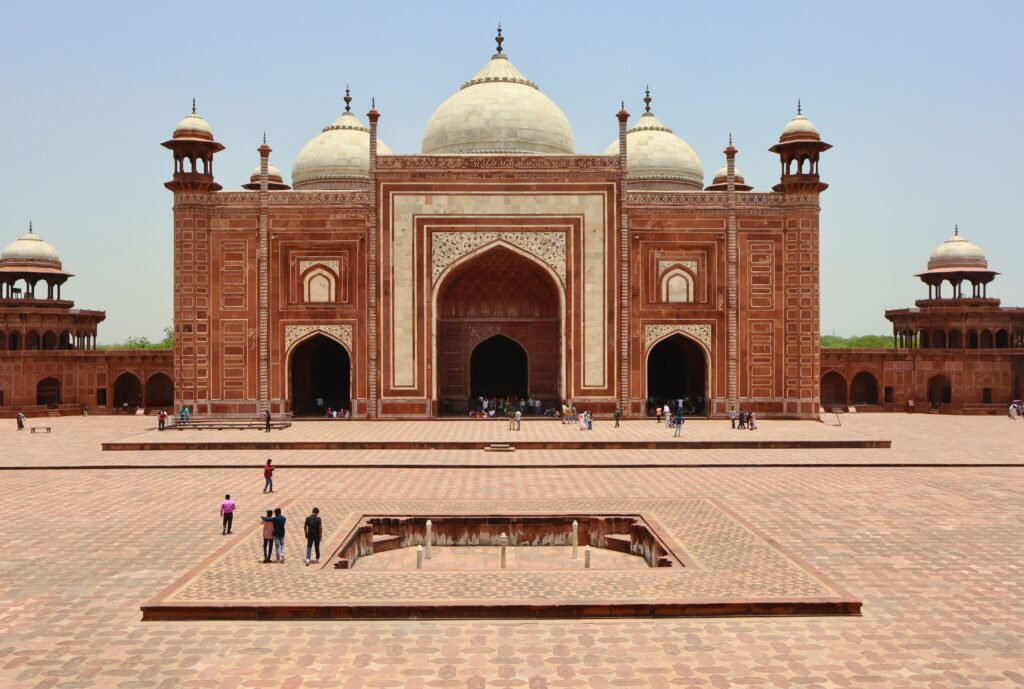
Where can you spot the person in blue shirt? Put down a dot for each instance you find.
(278, 521)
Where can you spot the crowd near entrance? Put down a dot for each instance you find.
(498, 333)
(677, 374)
(321, 377)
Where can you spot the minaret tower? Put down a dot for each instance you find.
(193, 145)
(799, 148)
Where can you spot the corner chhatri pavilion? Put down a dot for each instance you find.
(499, 260)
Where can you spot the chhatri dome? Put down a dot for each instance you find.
(338, 157)
(498, 111)
(655, 154)
(956, 252)
(192, 126)
(799, 128)
(30, 249)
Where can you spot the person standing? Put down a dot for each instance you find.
(21, 421)
(268, 421)
(278, 521)
(519, 418)
(314, 530)
(588, 416)
(618, 416)
(678, 420)
(268, 535)
(752, 421)
(742, 419)
(227, 513)
(160, 419)
(268, 477)
(732, 416)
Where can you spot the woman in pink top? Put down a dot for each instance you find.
(227, 512)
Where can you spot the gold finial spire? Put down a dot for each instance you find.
(347, 99)
(193, 105)
(799, 109)
(647, 99)
(498, 39)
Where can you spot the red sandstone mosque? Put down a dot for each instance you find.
(501, 261)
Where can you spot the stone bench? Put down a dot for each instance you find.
(37, 429)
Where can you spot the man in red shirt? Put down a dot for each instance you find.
(268, 477)
(227, 512)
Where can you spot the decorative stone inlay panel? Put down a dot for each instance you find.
(485, 162)
(448, 247)
(342, 332)
(306, 265)
(665, 265)
(700, 331)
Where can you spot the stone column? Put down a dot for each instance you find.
(624, 331)
(263, 271)
(371, 288)
(732, 281)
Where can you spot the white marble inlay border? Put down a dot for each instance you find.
(306, 265)
(342, 332)
(665, 265)
(448, 247)
(656, 331)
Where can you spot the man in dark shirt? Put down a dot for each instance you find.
(314, 530)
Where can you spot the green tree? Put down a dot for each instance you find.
(857, 341)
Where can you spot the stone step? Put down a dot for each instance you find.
(499, 447)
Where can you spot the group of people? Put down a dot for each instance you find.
(274, 525)
(673, 415)
(507, 406)
(337, 413)
(743, 419)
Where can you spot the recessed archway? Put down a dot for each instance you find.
(498, 292)
(940, 391)
(864, 389)
(127, 391)
(48, 392)
(499, 367)
(159, 391)
(833, 389)
(677, 370)
(320, 371)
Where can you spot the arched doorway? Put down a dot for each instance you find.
(498, 292)
(940, 391)
(1002, 339)
(833, 389)
(49, 340)
(14, 341)
(499, 367)
(864, 389)
(159, 391)
(320, 375)
(48, 392)
(677, 370)
(127, 390)
(32, 341)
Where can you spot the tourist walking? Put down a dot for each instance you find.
(519, 418)
(314, 529)
(752, 421)
(678, 422)
(581, 418)
(161, 420)
(732, 416)
(618, 416)
(268, 477)
(227, 513)
(742, 419)
(268, 421)
(268, 535)
(588, 416)
(277, 521)
(21, 420)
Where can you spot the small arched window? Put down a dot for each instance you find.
(318, 285)
(677, 287)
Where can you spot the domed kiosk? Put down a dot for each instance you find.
(956, 261)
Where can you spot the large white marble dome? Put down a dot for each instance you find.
(498, 111)
(654, 153)
(337, 157)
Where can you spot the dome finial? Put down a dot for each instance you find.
(730, 138)
(193, 105)
(647, 99)
(347, 99)
(956, 229)
(798, 107)
(373, 102)
(264, 138)
(30, 227)
(498, 39)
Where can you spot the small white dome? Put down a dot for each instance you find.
(799, 124)
(340, 153)
(957, 252)
(654, 153)
(498, 111)
(272, 172)
(723, 173)
(193, 124)
(29, 247)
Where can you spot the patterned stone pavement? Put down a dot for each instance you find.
(934, 553)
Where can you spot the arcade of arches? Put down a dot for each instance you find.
(498, 326)
(677, 370)
(321, 376)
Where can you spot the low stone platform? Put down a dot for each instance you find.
(731, 569)
(535, 434)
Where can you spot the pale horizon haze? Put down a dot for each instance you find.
(922, 102)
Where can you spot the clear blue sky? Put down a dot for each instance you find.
(922, 101)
